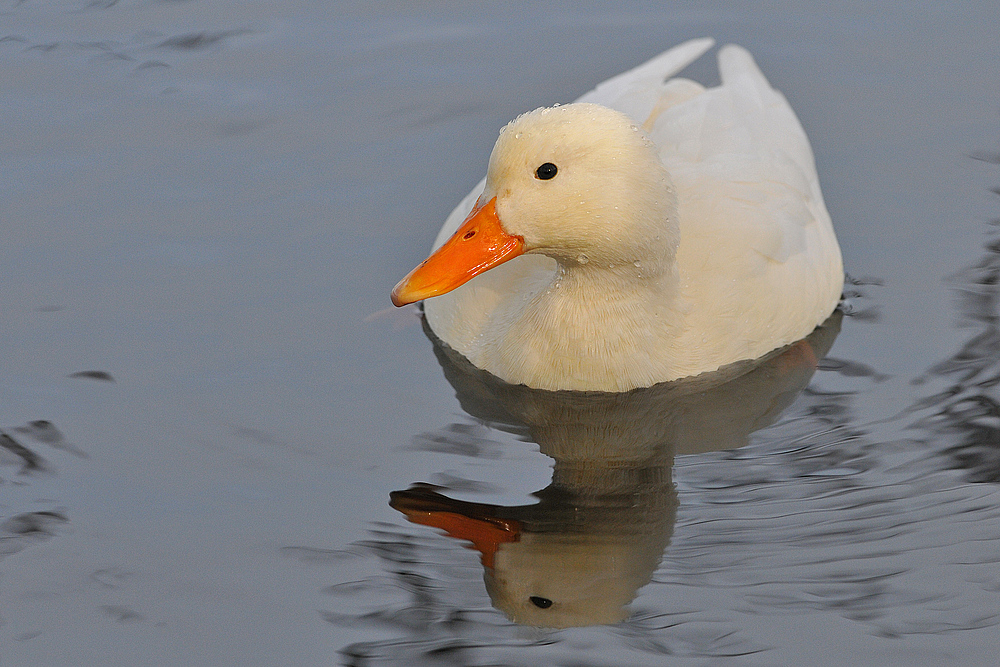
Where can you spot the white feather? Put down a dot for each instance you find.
(757, 262)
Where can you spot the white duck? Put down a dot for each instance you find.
(614, 258)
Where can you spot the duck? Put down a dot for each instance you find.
(655, 229)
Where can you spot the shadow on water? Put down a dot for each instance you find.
(964, 413)
(19, 464)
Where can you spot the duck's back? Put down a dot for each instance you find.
(759, 261)
(758, 256)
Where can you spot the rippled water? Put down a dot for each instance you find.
(221, 446)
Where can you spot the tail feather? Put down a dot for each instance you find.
(772, 120)
(736, 63)
(636, 91)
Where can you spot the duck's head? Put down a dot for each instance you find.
(580, 183)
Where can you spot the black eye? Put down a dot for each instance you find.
(545, 172)
(542, 603)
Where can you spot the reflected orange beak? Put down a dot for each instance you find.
(473, 522)
(486, 535)
(479, 244)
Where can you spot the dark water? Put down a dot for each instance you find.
(207, 402)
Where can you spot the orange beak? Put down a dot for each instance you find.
(479, 244)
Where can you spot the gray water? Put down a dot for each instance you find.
(209, 399)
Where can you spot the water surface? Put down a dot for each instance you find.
(205, 204)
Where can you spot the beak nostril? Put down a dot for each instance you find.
(454, 263)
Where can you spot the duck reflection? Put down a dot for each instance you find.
(599, 530)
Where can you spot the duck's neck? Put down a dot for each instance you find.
(593, 326)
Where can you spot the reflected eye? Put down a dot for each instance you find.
(545, 172)
(541, 603)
